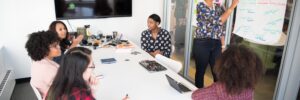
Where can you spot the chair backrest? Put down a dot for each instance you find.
(170, 63)
(36, 92)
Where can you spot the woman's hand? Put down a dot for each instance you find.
(126, 97)
(76, 41)
(155, 53)
(93, 80)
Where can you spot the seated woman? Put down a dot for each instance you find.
(238, 70)
(156, 40)
(60, 28)
(74, 79)
(42, 47)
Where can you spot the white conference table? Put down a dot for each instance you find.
(129, 77)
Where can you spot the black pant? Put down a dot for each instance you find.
(205, 51)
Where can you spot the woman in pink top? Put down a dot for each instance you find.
(238, 70)
(74, 79)
(42, 47)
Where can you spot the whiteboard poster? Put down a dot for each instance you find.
(260, 21)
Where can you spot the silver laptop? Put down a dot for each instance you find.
(177, 85)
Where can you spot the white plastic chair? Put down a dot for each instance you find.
(36, 92)
(170, 63)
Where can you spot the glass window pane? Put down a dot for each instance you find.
(178, 28)
(271, 56)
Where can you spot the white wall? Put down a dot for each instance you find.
(22, 17)
(130, 26)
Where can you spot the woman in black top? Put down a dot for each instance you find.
(61, 29)
(156, 40)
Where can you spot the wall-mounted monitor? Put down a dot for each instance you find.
(81, 9)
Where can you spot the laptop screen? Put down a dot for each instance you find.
(178, 86)
(173, 83)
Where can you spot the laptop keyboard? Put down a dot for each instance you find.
(183, 87)
(152, 66)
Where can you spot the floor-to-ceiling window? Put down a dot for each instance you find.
(271, 53)
(178, 18)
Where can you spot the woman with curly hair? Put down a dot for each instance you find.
(42, 47)
(238, 70)
(61, 30)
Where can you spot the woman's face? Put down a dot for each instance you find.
(152, 24)
(54, 50)
(88, 72)
(61, 30)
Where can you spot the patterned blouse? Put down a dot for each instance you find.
(217, 91)
(209, 21)
(162, 42)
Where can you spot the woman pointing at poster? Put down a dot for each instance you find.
(209, 36)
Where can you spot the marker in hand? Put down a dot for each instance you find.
(126, 97)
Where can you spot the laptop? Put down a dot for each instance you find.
(177, 85)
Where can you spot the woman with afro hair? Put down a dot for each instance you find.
(238, 71)
(42, 47)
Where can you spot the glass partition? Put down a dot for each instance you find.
(178, 19)
(182, 23)
(271, 53)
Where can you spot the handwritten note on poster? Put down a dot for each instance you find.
(260, 21)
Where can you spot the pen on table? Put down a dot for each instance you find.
(99, 76)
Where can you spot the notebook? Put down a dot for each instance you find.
(177, 85)
(108, 61)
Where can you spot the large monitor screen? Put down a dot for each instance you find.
(78, 9)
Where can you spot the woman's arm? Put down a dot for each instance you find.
(143, 41)
(76, 41)
(168, 46)
(144, 44)
(223, 43)
(227, 13)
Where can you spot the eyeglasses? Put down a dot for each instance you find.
(93, 66)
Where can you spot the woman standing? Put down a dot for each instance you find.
(156, 40)
(209, 36)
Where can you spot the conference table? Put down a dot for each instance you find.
(127, 77)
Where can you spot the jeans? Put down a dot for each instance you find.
(205, 51)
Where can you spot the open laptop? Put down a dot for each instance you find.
(177, 85)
